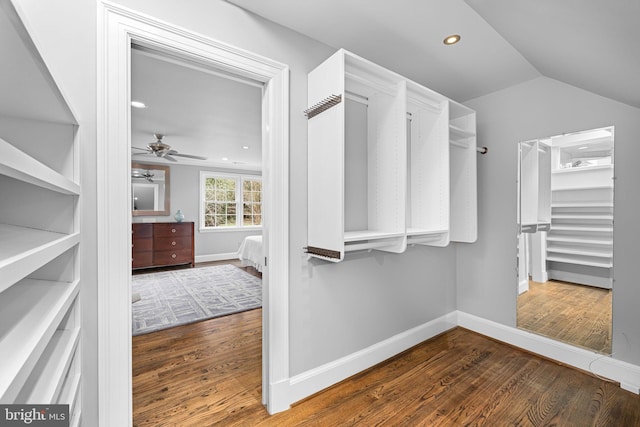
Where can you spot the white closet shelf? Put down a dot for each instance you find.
(45, 383)
(579, 240)
(357, 236)
(582, 216)
(457, 133)
(574, 251)
(579, 261)
(582, 169)
(460, 143)
(24, 250)
(70, 390)
(424, 232)
(30, 312)
(593, 187)
(582, 204)
(581, 228)
(19, 165)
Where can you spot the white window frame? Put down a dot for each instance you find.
(239, 178)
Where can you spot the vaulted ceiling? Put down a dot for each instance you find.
(591, 44)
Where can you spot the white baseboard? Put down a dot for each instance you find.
(314, 380)
(627, 374)
(216, 257)
(523, 287)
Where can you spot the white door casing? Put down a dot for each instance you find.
(118, 28)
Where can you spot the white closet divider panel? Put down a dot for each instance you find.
(428, 163)
(463, 174)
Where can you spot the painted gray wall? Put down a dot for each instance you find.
(185, 193)
(486, 270)
(334, 309)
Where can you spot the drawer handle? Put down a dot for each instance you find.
(173, 255)
(173, 243)
(173, 230)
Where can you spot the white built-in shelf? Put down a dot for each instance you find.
(457, 133)
(579, 251)
(70, 393)
(360, 235)
(460, 143)
(45, 383)
(579, 240)
(557, 227)
(30, 312)
(21, 166)
(579, 261)
(592, 187)
(581, 169)
(24, 250)
(582, 204)
(424, 232)
(582, 216)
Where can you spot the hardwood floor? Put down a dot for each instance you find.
(209, 373)
(575, 314)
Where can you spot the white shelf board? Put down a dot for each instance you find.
(458, 133)
(582, 204)
(356, 236)
(424, 232)
(582, 216)
(574, 251)
(30, 312)
(19, 165)
(592, 187)
(70, 391)
(579, 240)
(581, 169)
(24, 250)
(460, 143)
(570, 260)
(581, 228)
(45, 383)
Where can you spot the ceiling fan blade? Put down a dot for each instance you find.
(168, 157)
(140, 154)
(142, 149)
(189, 156)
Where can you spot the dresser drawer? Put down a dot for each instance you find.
(141, 230)
(141, 245)
(180, 256)
(142, 259)
(172, 243)
(173, 229)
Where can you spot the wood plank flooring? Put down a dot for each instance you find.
(209, 373)
(575, 314)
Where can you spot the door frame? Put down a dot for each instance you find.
(118, 28)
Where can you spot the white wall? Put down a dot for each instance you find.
(486, 271)
(185, 194)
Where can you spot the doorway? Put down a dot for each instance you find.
(121, 28)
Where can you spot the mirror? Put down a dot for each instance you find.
(565, 237)
(150, 186)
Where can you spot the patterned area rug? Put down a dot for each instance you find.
(178, 297)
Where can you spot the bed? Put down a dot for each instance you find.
(250, 253)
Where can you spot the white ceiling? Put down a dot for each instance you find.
(199, 112)
(591, 44)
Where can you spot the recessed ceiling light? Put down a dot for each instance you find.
(245, 147)
(452, 39)
(225, 158)
(138, 104)
(582, 148)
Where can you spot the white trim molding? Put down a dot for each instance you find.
(314, 380)
(118, 29)
(627, 374)
(216, 257)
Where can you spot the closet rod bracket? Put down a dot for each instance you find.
(323, 105)
(482, 150)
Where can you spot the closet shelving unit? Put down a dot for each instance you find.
(379, 161)
(580, 243)
(463, 174)
(39, 229)
(534, 210)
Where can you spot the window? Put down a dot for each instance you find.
(230, 201)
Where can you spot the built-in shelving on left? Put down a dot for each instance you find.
(39, 228)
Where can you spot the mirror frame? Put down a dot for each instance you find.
(167, 190)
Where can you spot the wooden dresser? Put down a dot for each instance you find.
(159, 244)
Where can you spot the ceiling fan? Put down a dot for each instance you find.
(146, 175)
(160, 149)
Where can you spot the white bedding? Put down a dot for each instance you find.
(250, 253)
